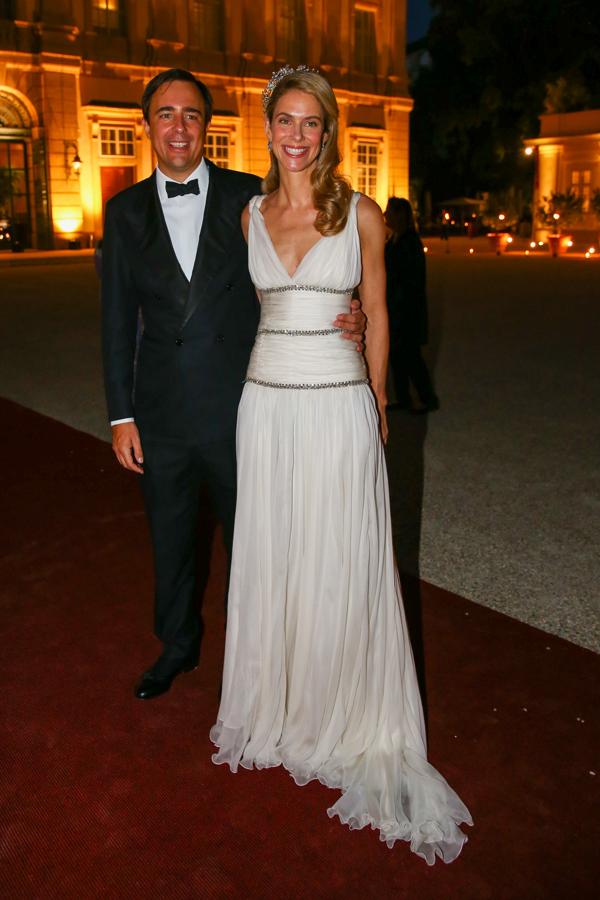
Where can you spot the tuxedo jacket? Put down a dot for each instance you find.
(175, 351)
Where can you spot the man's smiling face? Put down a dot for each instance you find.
(176, 127)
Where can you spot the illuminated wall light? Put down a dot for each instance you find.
(591, 250)
(532, 244)
(68, 225)
(528, 151)
(540, 243)
(527, 253)
(587, 254)
(426, 249)
(509, 240)
(569, 243)
(471, 250)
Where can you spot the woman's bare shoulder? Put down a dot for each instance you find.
(369, 214)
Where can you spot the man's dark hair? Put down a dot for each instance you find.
(176, 75)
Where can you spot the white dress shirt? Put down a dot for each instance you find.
(184, 217)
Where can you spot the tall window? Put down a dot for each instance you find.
(581, 185)
(291, 31)
(217, 147)
(207, 31)
(116, 141)
(7, 9)
(108, 15)
(13, 175)
(365, 41)
(366, 167)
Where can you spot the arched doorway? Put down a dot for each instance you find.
(23, 180)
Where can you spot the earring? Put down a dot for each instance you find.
(269, 146)
(323, 142)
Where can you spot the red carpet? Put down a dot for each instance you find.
(104, 796)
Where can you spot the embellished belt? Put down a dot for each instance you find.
(308, 387)
(292, 332)
(313, 288)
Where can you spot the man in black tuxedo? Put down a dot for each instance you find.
(174, 259)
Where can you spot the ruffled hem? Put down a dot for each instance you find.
(407, 800)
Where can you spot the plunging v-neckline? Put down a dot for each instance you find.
(276, 254)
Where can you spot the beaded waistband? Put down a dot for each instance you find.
(308, 387)
(313, 288)
(291, 332)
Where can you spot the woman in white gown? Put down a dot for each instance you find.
(319, 675)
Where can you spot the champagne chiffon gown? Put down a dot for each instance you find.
(319, 674)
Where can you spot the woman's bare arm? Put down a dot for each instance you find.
(371, 229)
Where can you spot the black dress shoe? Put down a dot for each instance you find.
(152, 683)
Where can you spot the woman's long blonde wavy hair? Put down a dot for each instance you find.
(331, 192)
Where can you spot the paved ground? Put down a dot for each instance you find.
(497, 496)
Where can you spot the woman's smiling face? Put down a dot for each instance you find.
(296, 130)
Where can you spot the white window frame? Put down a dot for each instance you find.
(230, 127)
(581, 186)
(124, 146)
(355, 137)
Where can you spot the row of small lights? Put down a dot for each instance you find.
(502, 217)
(533, 245)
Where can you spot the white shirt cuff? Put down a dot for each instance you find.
(121, 421)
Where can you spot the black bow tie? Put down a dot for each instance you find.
(176, 189)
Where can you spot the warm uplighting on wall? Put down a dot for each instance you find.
(69, 223)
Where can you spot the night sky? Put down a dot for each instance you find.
(419, 14)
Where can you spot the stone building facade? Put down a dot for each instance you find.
(567, 158)
(72, 73)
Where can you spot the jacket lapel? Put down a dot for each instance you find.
(212, 244)
(156, 253)
(162, 236)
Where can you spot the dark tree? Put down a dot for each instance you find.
(491, 68)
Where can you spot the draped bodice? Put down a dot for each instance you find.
(296, 344)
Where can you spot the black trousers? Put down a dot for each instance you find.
(409, 366)
(176, 475)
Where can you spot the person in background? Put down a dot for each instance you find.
(407, 308)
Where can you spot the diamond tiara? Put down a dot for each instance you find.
(277, 76)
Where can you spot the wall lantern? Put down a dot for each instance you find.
(72, 158)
